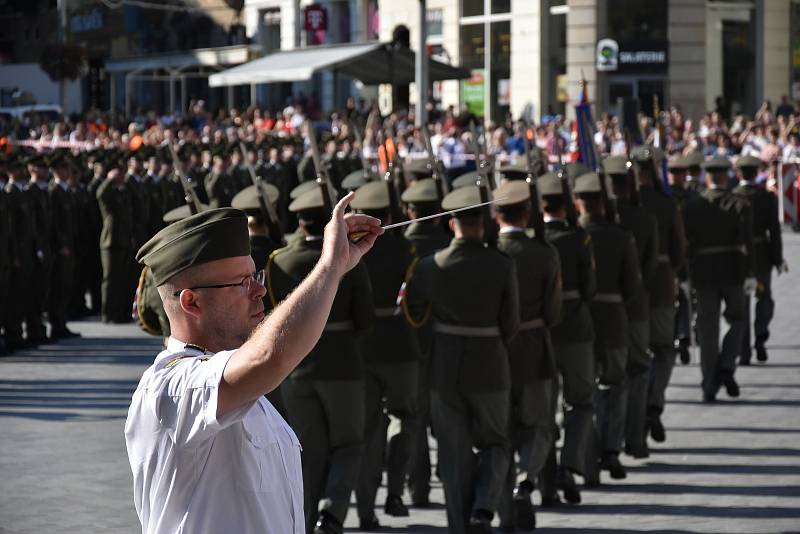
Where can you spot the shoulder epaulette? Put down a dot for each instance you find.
(268, 269)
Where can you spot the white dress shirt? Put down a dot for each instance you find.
(194, 473)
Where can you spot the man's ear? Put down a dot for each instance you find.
(189, 302)
(452, 224)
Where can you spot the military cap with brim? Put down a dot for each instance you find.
(417, 167)
(208, 236)
(304, 187)
(717, 163)
(748, 162)
(512, 192)
(470, 178)
(247, 199)
(587, 184)
(615, 165)
(462, 197)
(549, 184)
(355, 179)
(694, 158)
(180, 213)
(310, 200)
(422, 191)
(371, 196)
(677, 163)
(644, 153)
(575, 169)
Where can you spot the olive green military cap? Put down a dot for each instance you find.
(588, 184)
(512, 192)
(207, 236)
(422, 191)
(462, 197)
(748, 162)
(417, 167)
(549, 184)
(304, 187)
(354, 180)
(470, 178)
(575, 169)
(180, 213)
(247, 199)
(694, 158)
(310, 200)
(371, 196)
(717, 163)
(644, 153)
(677, 163)
(616, 165)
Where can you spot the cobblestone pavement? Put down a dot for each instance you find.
(729, 467)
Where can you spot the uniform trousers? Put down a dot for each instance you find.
(464, 420)
(717, 363)
(612, 398)
(419, 470)
(42, 273)
(638, 376)
(765, 310)
(328, 417)
(115, 288)
(61, 291)
(390, 389)
(576, 364)
(531, 436)
(662, 344)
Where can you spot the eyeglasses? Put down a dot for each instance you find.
(246, 283)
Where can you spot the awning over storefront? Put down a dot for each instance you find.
(370, 63)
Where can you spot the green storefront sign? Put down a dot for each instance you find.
(473, 92)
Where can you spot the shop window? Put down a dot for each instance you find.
(471, 8)
(501, 6)
(637, 20)
(434, 18)
(472, 46)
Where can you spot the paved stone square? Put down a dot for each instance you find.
(729, 467)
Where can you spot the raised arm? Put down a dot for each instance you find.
(289, 333)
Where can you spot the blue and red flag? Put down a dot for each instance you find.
(583, 120)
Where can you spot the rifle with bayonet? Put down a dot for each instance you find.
(566, 189)
(267, 209)
(434, 165)
(633, 181)
(537, 219)
(366, 166)
(329, 196)
(389, 178)
(486, 186)
(190, 195)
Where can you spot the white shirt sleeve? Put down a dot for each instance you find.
(184, 399)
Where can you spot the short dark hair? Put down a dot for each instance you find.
(423, 209)
(469, 218)
(512, 212)
(553, 203)
(749, 173)
(313, 220)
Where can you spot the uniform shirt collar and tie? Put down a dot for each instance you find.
(511, 230)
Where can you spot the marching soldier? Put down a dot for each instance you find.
(427, 237)
(768, 250)
(661, 286)
(94, 267)
(720, 232)
(43, 266)
(116, 246)
(65, 236)
(694, 172)
(23, 259)
(154, 196)
(644, 228)
(391, 356)
(532, 364)
(218, 184)
(470, 378)
(573, 339)
(618, 280)
(682, 192)
(324, 396)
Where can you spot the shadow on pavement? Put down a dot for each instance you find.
(64, 396)
(740, 402)
(753, 430)
(735, 451)
(133, 350)
(725, 469)
(743, 512)
(686, 489)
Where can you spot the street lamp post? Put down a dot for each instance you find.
(421, 67)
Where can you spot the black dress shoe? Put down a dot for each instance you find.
(524, 514)
(480, 522)
(683, 351)
(368, 523)
(639, 452)
(761, 352)
(394, 506)
(656, 428)
(731, 387)
(327, 524)
(420, 501)
(551, 501)
(612, 464)
(708, 398)
(566, 483)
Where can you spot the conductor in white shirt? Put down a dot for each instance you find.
(208, 451)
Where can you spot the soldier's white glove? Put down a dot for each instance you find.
(750, 285)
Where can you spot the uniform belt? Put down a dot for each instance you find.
(613, 298)
(572, 294)
(760, 239)
(469, 331)
(386, 312)
(707, 251)
(339, 326)
(663, 258)
(533, 324)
